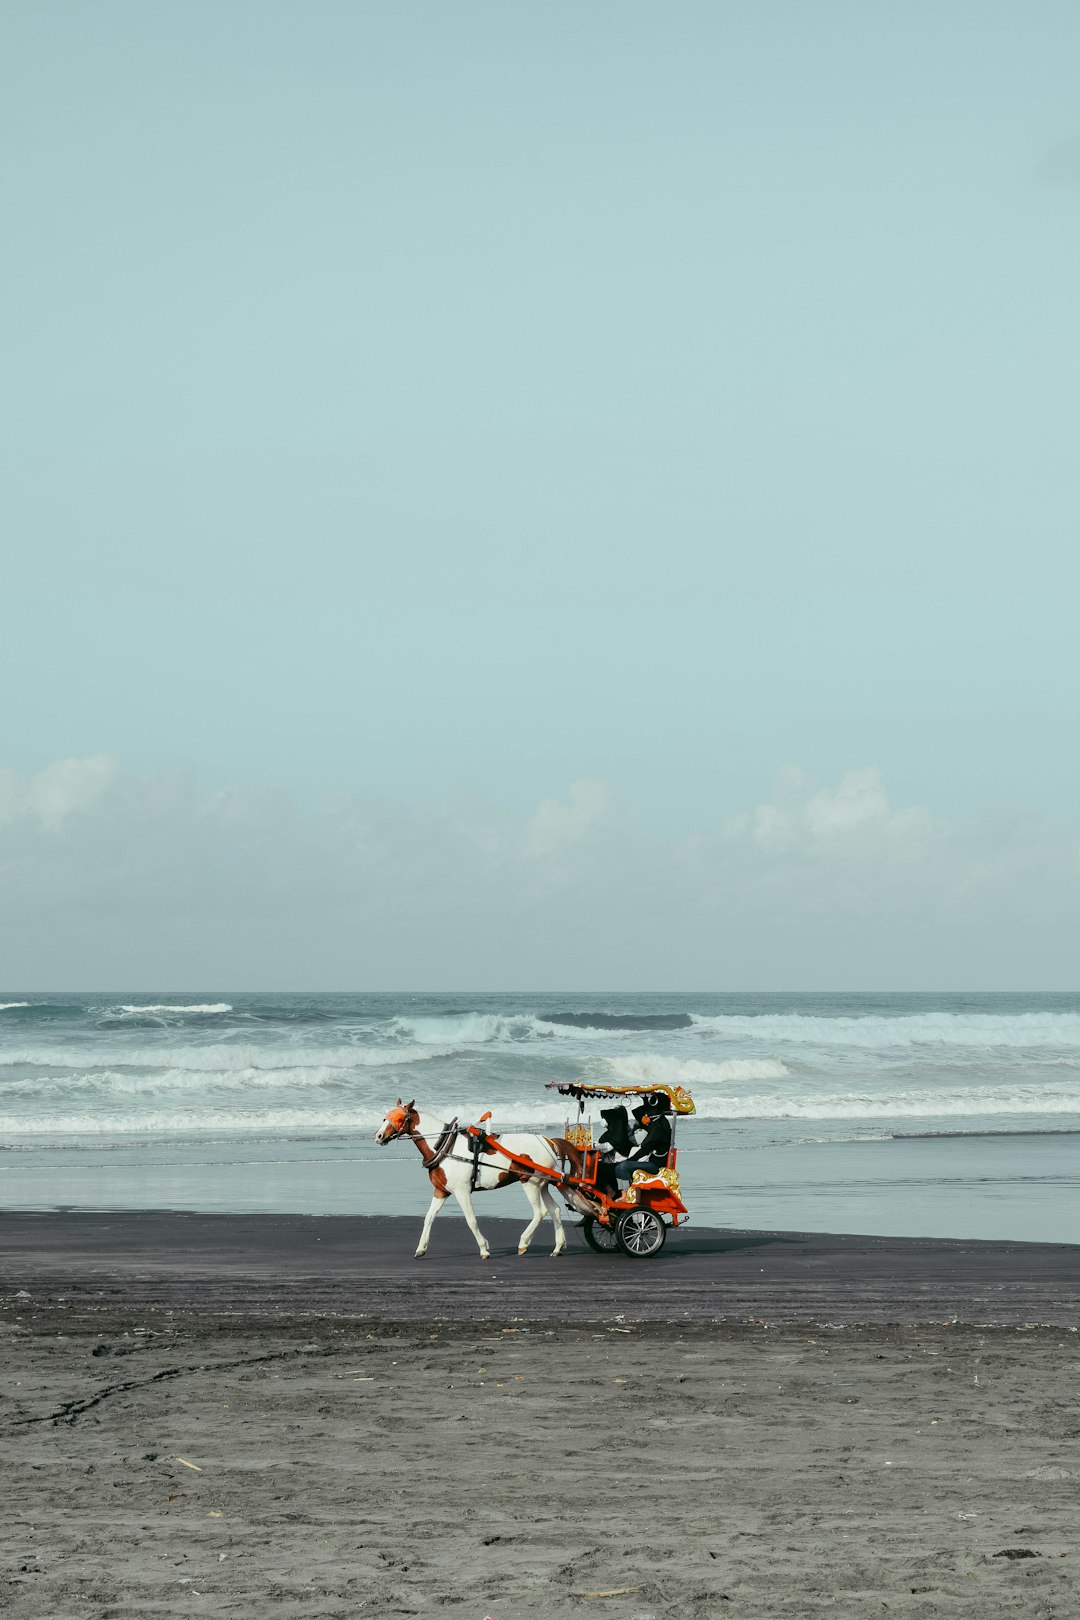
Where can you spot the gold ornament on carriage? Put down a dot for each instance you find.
(579, 1136)
(679, 1098)
(670, 1178)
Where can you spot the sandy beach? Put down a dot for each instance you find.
(275, 1415)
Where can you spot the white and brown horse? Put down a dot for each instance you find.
(455, 1172)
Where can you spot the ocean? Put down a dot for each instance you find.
(895, 1114)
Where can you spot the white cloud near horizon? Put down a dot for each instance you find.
(111, 880)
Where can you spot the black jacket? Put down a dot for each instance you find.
(657, 1141)
(616, 1137)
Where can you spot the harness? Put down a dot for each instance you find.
(479, 1142)
(442, 1146)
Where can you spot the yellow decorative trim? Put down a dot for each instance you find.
(680, 1099)
(579, 1136)
(640, 1178)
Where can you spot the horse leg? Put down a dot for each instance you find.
(433, 1209)
(464, 1199)
(532, 1193)
(548, 1199)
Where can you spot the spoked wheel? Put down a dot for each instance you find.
(598, 1236)
(641, 1233)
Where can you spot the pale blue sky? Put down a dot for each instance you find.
(416, 400)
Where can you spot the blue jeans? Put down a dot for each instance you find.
(625, 1171)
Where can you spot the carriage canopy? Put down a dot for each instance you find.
(680, 1099)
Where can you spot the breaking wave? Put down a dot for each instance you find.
(240, 1058)
(285, 1121)
(202, 1117)
(649, 1070)
(485, 1029)
(170, 1007)
(1020, 1030)
(633, 1021)
(105, 1084)
(980, 1103)
(471, 1029)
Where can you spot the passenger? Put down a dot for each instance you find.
(617, 1137)
(615, 1143)
(655, 1146)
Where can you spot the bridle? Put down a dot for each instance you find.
(403, 1119)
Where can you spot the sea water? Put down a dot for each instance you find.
(919, 1115)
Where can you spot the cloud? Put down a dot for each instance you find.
(117, 881)
(65, 789)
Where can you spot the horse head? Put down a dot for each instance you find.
(401, 1120)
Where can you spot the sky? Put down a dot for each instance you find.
(425, 423)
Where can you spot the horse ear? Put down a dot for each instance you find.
(399, 1103)
(411, 1105)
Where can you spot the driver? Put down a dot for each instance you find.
(655, 1145)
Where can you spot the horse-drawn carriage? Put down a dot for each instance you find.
(636, 1220)
(465, 1159)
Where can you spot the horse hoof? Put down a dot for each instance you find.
(420, 1254)
(523, 1251)
(485, 1256)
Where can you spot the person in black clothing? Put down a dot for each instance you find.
(656, 1144)
(617, 1137)
(615, 1141)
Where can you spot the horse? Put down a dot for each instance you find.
(455, 1172)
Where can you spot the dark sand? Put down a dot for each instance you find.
(766, 1425)
(360, 1266)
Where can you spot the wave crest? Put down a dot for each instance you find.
(649, 1070)
(982, 1030)
(172, 1007)
(244, 1058)
(619, 1021)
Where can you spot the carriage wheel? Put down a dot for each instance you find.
(641, 1233)
(598, 1236)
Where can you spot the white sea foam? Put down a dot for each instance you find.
(982, 1102)
(241, 1057)
(651, 1069)
(1020, 1030)
(200, 1123)
(472, 1029)
(485, 1029)
(253, 1122)
(180, 1116)
(5, 1006)
(105, 1084)
(981, 1031)
(170, 1007)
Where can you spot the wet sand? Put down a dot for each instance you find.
(364, 1266)
(754, 1424)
